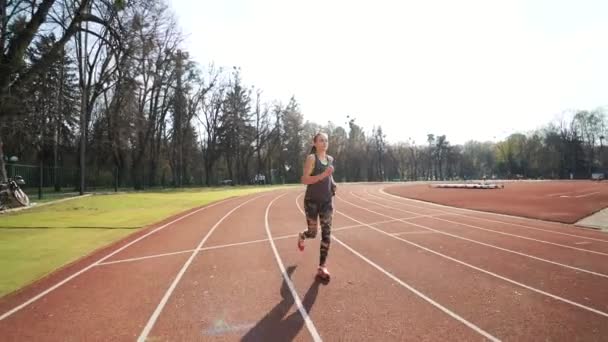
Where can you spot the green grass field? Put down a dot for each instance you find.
(37, 241)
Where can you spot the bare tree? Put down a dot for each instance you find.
(21, 25)
(159, 41)
(262, 131)
(212, 123)
(190, 95)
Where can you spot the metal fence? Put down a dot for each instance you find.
(44, 181)
(50, 176)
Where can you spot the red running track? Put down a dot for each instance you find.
(401, 270)
(560, 201)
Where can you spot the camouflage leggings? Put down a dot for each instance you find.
(324, 212)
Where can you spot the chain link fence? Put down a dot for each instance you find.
(52, 182)
(46, 183)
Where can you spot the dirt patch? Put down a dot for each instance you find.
(560, 201)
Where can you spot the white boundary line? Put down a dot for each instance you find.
(574, 194)
(309, 324)
(38, 205)
(414, 232)
(483, 213)
(559, 194)
(144, 334)
(601, 313)
(475, 241)
(559, 225)
(242, 243)
(420, 294)
(503, 233)
(223, 246)
(143, 258)
(402, 283)
(587, 194)
(52, 288)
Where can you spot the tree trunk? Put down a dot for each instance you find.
(207, 162)
(153, 161)
(44, 114)
(60, 97)
(83, 139)
(229, 166)
(84, 96)
(2, 166)
(137, 172)
(601, 157)
(40, 173)
(56, 182)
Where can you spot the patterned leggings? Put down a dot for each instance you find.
(323, 211)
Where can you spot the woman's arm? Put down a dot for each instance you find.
(334, 186)
(309, 165)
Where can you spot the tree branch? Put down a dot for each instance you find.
(102, 38)
(21, 41)
(3, 23)
(53, 54)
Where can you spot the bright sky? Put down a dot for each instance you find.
(470, 69)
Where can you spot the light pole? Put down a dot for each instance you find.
(13, 160)
(602, 152)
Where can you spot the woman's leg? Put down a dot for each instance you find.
(326, 214)
(312, 213)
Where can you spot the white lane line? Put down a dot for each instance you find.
(525, 237)
(144, 334)
(222, 246)
(533, 228)
(482, 243)
(414, 232)
(508, 234)
(587, 195)
(479, 213)
(54, 287)
(579, 196)
(601, 313)
(407, 286)
(420, 294)
(560, 193)
(309, 324)
(143, 258)
(358, 225)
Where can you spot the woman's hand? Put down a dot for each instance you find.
(308, 168)
(328, 172)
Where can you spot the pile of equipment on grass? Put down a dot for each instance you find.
(469, 186)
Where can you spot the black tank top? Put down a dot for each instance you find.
(320, 191)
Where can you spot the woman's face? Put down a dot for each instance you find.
(321, 142)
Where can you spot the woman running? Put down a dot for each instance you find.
(318, 201)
